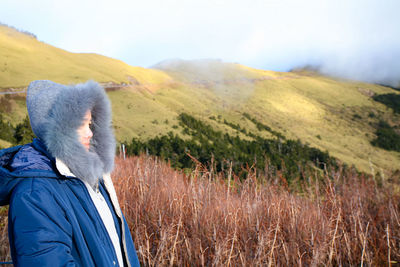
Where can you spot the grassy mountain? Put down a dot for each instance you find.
(340, 116)
(23, 59)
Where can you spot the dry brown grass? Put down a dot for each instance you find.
(202, 218)
(4, 247)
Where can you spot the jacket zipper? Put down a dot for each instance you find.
(101, 220)
(122, 225)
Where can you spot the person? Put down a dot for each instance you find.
(63, 208)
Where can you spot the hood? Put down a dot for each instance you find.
(56, 111)
(27, 161)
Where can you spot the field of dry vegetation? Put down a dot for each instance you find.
(205, 219)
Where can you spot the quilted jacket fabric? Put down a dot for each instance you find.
(52, 219)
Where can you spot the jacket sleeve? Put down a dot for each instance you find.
(39, 232)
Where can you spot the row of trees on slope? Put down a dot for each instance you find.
(19, 134)
(209, 146)
(290, 157)
(386, 136)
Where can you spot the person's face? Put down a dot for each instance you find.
(84, 132)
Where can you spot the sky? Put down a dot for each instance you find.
(355, 39)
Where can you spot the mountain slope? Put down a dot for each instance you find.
(23, 59)
(328, 113)
(336, 115)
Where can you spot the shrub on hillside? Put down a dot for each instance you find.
(386, 137)
(6, 131)
(20, 134)
(390, 100)
(23, 133)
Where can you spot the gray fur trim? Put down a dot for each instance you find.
(56, 112)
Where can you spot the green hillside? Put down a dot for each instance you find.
(340, 116)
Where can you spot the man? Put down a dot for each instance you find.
(63, 207)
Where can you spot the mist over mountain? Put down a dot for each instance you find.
(380, 67)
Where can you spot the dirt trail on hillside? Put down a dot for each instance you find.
(12, 92)
(111, 86)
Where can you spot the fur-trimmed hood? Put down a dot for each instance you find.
(56, 111)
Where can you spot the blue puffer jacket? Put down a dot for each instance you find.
(52, 219)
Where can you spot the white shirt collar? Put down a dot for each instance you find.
(63, 169)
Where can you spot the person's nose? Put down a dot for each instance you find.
(89, 133)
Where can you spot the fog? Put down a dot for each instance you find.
(358, 39)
